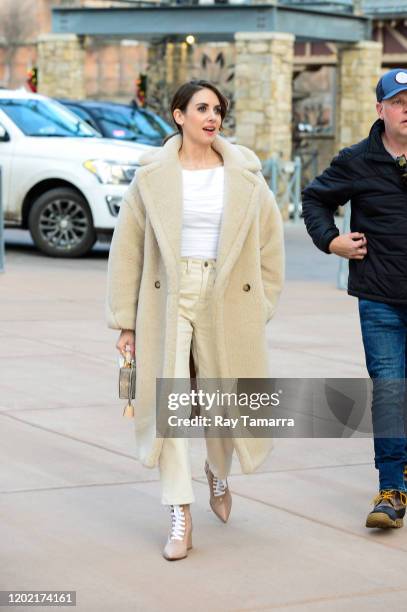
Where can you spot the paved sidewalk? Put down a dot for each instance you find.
(78, 512)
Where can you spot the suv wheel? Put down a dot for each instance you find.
(60, 223)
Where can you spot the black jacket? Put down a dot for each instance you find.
(368, 176)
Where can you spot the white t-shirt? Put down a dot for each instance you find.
(202, 212)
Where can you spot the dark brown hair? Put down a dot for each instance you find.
(183, 95)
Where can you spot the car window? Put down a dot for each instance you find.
(131, 123)
(84, 114)
(165, 126)
(3, 131)
(44, 118)
(78, 110)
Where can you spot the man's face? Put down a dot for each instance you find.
(394, 114)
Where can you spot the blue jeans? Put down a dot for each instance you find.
(384, 332)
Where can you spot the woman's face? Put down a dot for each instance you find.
(201, 120)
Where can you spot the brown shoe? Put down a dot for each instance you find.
(220, 498)
(389, 510)
(180, 536)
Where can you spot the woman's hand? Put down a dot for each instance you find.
(127, 342)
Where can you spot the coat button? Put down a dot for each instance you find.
(246, 287)
(157, 284)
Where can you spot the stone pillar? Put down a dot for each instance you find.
(359, 69)
(178, 63)
(169, 65)
(358, 7)
(61, 61)
(263, 92)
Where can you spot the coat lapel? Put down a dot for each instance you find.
(241, 188)
(239, 207)
(160, 185)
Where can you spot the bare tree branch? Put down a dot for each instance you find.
(16, 25)
(16, 21)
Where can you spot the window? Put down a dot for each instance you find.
(131, 124)
(44, 118)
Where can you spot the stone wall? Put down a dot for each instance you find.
(263, 92)
(112, 68)
(359, 69)
(61, 60)
(14, 66)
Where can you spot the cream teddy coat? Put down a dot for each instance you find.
(144, 276)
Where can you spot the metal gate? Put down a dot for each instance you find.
(1, 228)
(343, 271)
(284, 180)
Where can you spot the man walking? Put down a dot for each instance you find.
(372, 174)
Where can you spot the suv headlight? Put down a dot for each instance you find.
(111, 172)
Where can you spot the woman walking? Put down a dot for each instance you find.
(195, 266)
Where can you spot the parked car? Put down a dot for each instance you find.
(60, 178)
(121, 121)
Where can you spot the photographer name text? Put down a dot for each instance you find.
(229, 422)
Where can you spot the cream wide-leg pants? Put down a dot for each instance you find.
(194, 325)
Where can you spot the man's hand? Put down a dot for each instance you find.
(351, 246)
(126, 342)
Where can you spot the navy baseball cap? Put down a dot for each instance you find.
(391, 84)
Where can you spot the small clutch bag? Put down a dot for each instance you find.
(127, 383)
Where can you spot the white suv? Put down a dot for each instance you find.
(60, 179)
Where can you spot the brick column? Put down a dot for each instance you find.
(263, 92)
(359, 69)
(61, 60)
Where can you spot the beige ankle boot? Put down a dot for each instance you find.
(220, 499)
(180, 536)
